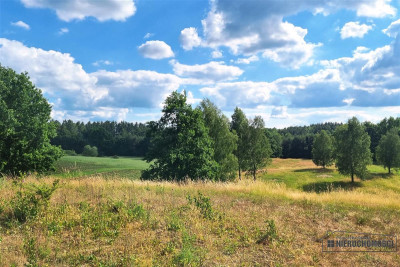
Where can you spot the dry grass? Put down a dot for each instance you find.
(169, 230)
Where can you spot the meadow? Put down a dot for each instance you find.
(101, 214)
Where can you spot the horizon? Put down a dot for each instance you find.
(294, 64)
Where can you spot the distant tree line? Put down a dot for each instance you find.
(129, 139)
(109, 137)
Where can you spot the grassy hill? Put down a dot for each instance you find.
(98, 219)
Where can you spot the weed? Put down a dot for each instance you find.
(269, 235)
(203, 203)
(30, 199)
(189, 255)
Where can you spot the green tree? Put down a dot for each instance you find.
(223, 140)
(240, 126)
(352, 149)
(90, 151)
(25, 126)
(180, 147)
(388, 150)
(275, 140)
(258, 151)
(322, 151)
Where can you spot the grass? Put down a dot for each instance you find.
(106, 167)
(93, 221)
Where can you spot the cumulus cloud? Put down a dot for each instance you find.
(393, 29)
(189, 38)
(244, 94)
(252, 27)
(21, 24)
(247, 60)
(216, 54)
(156, 50)
(80, 9)
(354, 30)
(204, 73)
(76, 94)
(140, 88)
(279, 112)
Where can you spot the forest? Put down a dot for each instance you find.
(129, 139)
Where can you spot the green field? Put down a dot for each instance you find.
(100, 217)
(107, 167)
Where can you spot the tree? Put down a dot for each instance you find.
(352, 149)
(180, 147)
(388, 150)
(258, 152)
(25, 126)
(224, 142)
(322, 151)
(240, 126)
(90, 151)
(275, 140)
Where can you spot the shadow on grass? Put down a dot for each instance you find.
(315, 170)
(377, 175)
(322, 187)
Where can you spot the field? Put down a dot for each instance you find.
(100, 214)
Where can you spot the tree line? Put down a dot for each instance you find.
(187, 142)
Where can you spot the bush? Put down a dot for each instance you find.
(70, 153)
(90, 151)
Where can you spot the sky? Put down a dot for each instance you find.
(293, 62)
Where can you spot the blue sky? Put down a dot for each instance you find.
(292, 62)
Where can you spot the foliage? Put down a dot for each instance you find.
(25, 127)
(110, 137)
(388, 150)
(352, 149)
(90, 151)
(322, 150)
(275, 140)
(30, 199)
(203, 203)
(180, 146)
(270, 234)
(258, 150)
(240, 126)
(223, 140)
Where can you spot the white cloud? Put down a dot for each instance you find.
(252, 27)
(279, 112)
(206, 73)
(248, 60)
(21, 24)
(216, 54)
(118, 10)
(148, 35)
(76, 94)
(245, 94)
(189, 38)
(140, 88)
(102, 62)
(156, 50)
(376, 9)
(393, 29)
(63, 31)
(354, 30)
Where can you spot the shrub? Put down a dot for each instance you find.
(90, 151)
(70, 153)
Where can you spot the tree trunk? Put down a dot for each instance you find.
(254, 172)
(352, 177)
(389, 170)
(240, 174)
